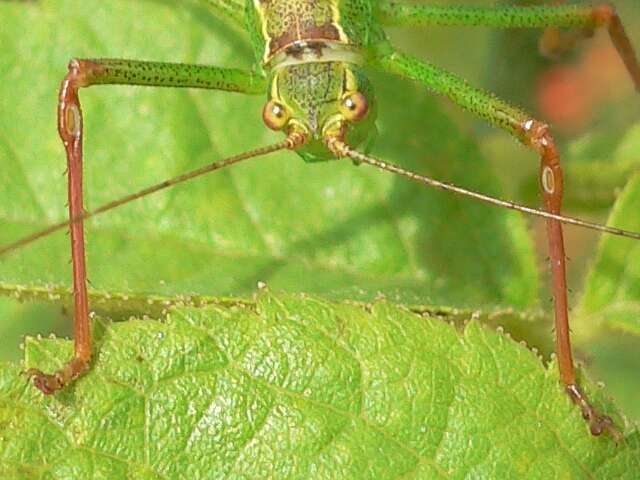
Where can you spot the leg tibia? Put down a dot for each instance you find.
(70, 130)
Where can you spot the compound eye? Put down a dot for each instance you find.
(354, 106)
(275, 115)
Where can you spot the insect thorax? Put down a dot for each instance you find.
(279, 25)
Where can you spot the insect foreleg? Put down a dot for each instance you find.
(535, 135)
(588, 17)
(84, 73)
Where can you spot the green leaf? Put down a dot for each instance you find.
(18, 319)
(607, 318)
(298, 387)
(612, 290)
(531, 327)
(328, 228)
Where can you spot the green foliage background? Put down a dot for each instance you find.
(333, 230)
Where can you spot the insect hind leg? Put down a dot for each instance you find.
(538, 137)
(70, 131)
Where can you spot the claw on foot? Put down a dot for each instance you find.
(51, 383)
(46, 383)
(598, 424)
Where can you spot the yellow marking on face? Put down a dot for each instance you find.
(351, 82)
(274, 88)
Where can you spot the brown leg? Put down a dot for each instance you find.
(70, 130)
(551, 183)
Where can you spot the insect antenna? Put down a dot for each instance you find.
(344, 150)
(290, 142)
